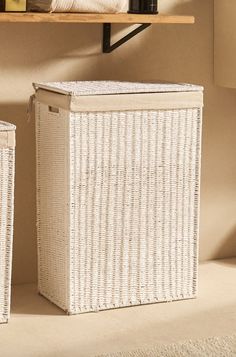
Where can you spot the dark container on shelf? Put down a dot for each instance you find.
(143, 7)
(2, 5)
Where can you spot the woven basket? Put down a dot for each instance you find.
(7, 170)
(118, 167)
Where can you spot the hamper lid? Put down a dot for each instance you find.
(90, 88)
(4, 126)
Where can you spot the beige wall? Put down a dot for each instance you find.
(46, 52)
(225, 43)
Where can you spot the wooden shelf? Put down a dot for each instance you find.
(95, 18)
(105, 19)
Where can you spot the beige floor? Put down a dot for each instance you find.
(39, 329)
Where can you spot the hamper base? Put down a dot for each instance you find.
(116, 306)
(3, 320)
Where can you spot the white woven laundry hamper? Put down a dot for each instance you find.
(7, 173)
(118, 170)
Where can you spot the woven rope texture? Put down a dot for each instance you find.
(118, 206)
(7, 168)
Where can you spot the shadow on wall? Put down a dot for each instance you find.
(180, 53)
(30, 45)
(228, 248)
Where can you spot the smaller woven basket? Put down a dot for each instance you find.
(7, 171)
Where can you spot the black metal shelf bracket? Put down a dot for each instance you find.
(108, 47)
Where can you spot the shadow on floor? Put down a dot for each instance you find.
(35, 303)
(228, 262)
